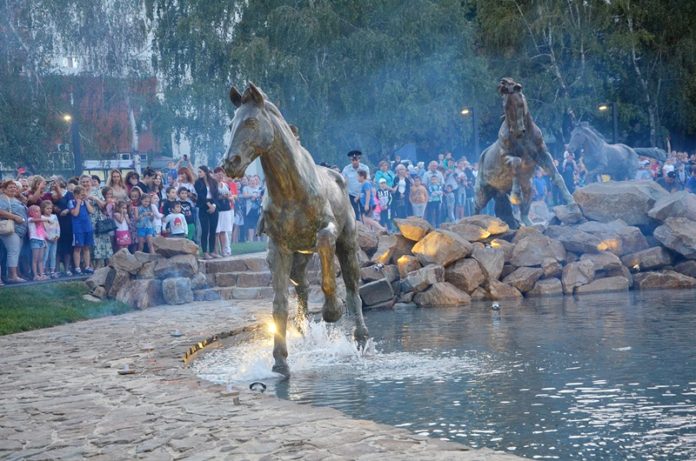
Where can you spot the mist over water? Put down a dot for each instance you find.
(597, 377)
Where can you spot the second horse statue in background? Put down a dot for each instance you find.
(306, 211)
(507, 166)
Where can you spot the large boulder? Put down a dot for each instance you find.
(123, 260)
(652, 258)
(534, 248)
(627, 200)
(686, 268)
(467, 231)
(551, 268)
(169, 247)
(176, 266)
(407, 264)
(119, 279)
(441, 247)
(177, 290)
(493, 225)
(568, 214)
(376, 292)
(574, 240)
(604, 285)
(604, 261)
(616, 236)
(423, 278)
(663, 279)
(546, 287)
(141, 294)
(524, 278)
(576, 275)
(466, 274)
(101, 277)
(498, 290)
(378, 271)
(367, 239)
(402, 247)
(491, 261)
(680, 204)
(413, 228)
(442, 294)
(678, 234)
(385, 249)
(199, 281)
(507, 247)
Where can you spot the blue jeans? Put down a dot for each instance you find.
(50, 256)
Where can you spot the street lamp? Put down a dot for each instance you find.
(75, 141)
(615, 118)
(466, 111)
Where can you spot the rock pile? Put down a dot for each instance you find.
(623, 235)
(143, 280)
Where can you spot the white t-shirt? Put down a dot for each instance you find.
(176, 223)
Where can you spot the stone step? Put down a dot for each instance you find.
(248, 279)
(234, 264)
(212, 294)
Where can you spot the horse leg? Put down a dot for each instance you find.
(526, 202)
(280, 263)
(483, 196)
(546, 162)
(514, 164)
(326, 246)
(298, 277)
(503, 210)
(347, 252)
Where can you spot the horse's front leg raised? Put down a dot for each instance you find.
(326, 247)
(280, 262)
(548, 166)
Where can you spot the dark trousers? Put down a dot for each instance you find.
(209, 223)
(356, 207)
(432, 213)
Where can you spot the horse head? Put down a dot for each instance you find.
(515, 106)
(578, 137)
(252, 132)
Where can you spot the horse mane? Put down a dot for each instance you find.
(587, 127)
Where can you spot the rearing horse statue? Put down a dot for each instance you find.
(306, 211)
(507, 165)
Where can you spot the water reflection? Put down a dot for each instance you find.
(597, 377)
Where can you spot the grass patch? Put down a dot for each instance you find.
(46, 305)
(248, 247)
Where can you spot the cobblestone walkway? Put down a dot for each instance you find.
(62, 398)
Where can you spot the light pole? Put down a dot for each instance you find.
(467, 111)
(615, 119)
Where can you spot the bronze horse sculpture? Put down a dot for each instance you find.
(616, 160)
(507, 166)
(306, 211)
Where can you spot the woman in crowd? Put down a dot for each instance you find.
(401, 191)
(208, 195)
(132, 180)
(118, 187)
(11, 208)
(61, 197)
(253, 193)
(37, 190)
(158, 186)
(226, 214)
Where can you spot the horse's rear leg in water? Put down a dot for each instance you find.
(546, 162)
(326, 247)
(298, 277)
(347, 252)
(280, 263)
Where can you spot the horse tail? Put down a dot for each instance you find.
(652, 152)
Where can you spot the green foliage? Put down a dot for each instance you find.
(47, 305)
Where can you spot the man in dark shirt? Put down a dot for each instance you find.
(691, 182)
(669, 182)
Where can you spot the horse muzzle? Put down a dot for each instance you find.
(233, 167)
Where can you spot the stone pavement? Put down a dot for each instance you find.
(62, 398)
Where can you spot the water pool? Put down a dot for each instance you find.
(595, 377)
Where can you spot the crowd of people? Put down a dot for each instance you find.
(56, 227)
(53, 227)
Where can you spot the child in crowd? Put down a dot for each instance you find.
(432, 210)
(187, 210)
(83, 234)
(145, 223)
(156, 215)
(37, 241)
(384, 198)
(123, 233)
(368, 201)
(449, 199)
(171, 200)
(175, 222)
(52, 235)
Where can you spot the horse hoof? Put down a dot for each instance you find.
(331, 312)
(361, 338)
(281, 368)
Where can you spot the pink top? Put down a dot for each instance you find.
(37, 230)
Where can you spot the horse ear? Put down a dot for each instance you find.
(254, 94)
(502, 88)
(517, 88)
(235, 97)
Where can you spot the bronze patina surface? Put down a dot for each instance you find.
(507, 165)
(306, 210)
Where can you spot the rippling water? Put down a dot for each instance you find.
(607, 377)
